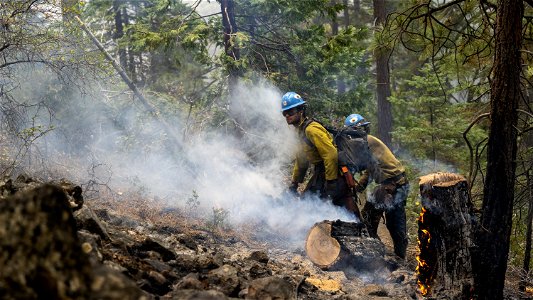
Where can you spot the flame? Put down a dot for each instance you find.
(421, 216)
(423, 267)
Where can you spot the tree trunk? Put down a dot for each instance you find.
(529, 231)
(357, 12)
(338, 245)
(445, 235)
(346, 13)
(334, 21)
(383, 92)
(341, 87)
(227, 8)
(130, 54)
(119, 33)
(495, 227)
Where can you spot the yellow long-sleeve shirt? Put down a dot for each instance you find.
(388, 166)
(319, 149)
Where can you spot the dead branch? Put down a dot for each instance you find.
(150, 108)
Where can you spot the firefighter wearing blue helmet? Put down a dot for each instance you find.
(355, 120)
(390, 194)
(317, 149)
(291, 100)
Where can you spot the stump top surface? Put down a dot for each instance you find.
(441, 179)
(321, 248)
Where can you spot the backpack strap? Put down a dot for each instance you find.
(304, 127)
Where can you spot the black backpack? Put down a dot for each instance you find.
(352, 146)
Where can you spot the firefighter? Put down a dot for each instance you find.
(317, 149)
(390, 195)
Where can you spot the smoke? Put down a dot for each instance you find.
(253, 190)
(243, 174)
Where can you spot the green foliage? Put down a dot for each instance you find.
(218, 220)
(431, 126)
(193, 203)
(291, 43)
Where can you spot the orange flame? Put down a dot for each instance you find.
(421, 216)
(422, 266)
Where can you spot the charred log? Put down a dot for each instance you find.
(445, 228)
(338, 245)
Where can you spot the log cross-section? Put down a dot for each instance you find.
(346, 246)
(321, 248)
(445, 234)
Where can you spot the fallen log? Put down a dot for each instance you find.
(338, 245)
(445, 237)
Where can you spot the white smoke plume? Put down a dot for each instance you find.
(245, 176)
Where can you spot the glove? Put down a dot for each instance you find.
(384, 195)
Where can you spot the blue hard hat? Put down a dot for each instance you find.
(355, 120)
(290, 100)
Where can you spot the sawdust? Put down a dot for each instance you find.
(328, 285)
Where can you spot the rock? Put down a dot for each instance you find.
(187, 241)
(88, 220)
(91, 243)
(6, 187)
(259, 270)
(196, 295)
(259, 256)
(224, 279)
(73, 192)
(40, 250)
(111, 284)
(113, 265)
(270, 288)
(150, 245)
(191, 281)
(205, 262)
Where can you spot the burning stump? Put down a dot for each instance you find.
(338, 245)
(445, 237)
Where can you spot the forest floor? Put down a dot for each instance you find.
(234, 245)
(137, 247)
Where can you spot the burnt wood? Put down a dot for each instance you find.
(346, 246)
(445, 233)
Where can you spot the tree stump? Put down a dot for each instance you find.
(338, 245)
(445, 228)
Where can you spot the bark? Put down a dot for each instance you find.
(341, 86)
(383, 92)
(338, 245)
(119, 33)
(334, 21)
(445, 234)
(227, 8)
(529, 231)
(494, 232)
(130, 54)
(346, 13)
(357, 12)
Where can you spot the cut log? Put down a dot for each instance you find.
(322, 249)
(338, 245)
(445, 229)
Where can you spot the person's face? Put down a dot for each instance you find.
(292, 116)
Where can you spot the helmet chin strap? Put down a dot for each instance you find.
(302, 118)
